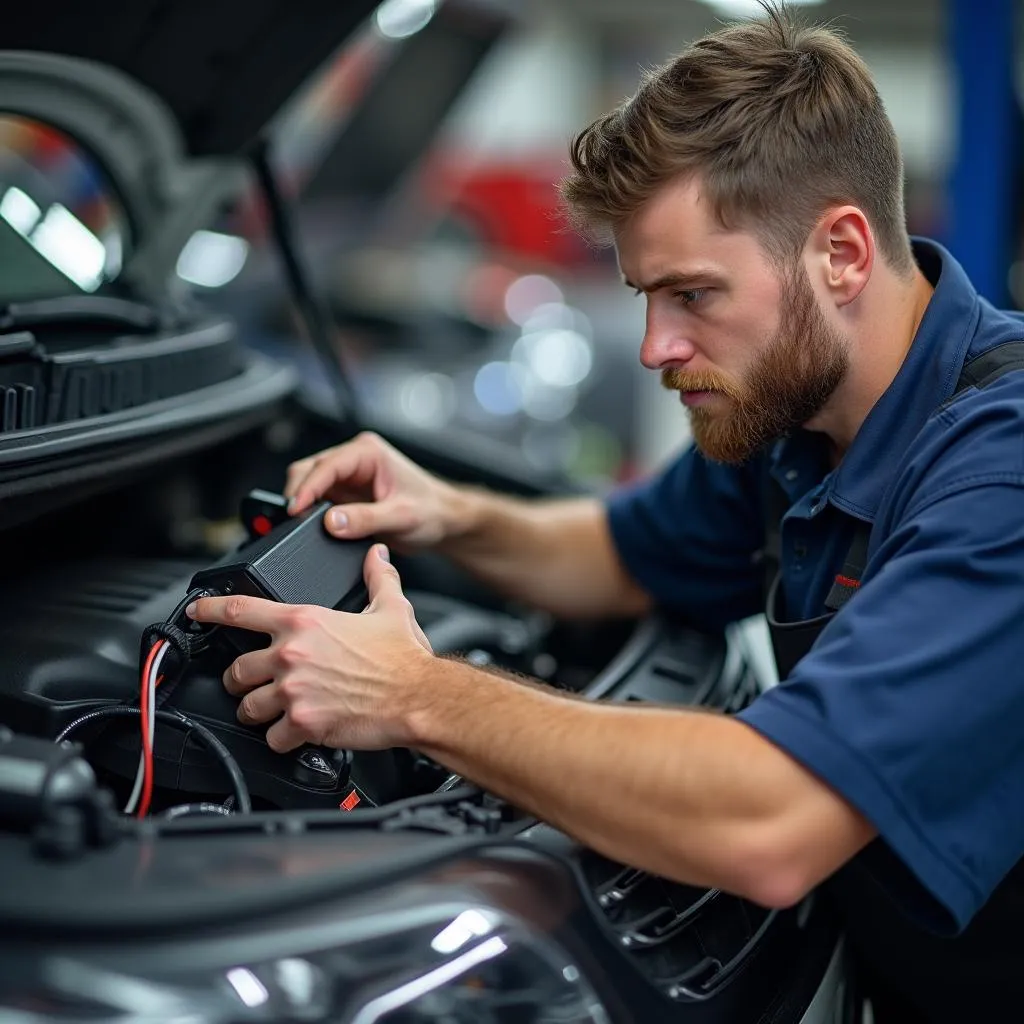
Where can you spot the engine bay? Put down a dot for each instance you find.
(72, 646)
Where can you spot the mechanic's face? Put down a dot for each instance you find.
(749, 349)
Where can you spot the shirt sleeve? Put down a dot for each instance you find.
(690, 537)
(911, 703)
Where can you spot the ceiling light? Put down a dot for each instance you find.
(211, 259)
(20, 211)
(70, 246)
(751, 8)
(397, 19)
(250, 989)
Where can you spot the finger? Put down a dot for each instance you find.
(352, 465)
(296, 473)
(383, 584)
(239, 610)
(284, 735)
(263, 704)
(361, 519)
(247, 671)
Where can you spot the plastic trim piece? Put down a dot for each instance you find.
(262, 382)
(644, 639)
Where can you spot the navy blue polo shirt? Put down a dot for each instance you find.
(911, 703)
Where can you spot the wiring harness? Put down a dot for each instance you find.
(165, 652)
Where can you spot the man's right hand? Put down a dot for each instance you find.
(376, 490)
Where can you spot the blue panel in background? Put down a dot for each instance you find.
(986, 178)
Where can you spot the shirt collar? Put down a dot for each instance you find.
(925, 380)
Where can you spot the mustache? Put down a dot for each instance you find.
(676, 379)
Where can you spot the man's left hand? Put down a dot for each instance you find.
(330, 678)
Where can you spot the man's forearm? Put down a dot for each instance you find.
(689, 795)
(556, 555)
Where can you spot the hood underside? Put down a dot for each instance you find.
(223, 68)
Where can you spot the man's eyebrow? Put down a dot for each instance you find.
(674, 279)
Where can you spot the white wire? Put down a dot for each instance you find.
(140, 774)
(154, 675)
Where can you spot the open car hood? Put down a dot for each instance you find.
(222, 69)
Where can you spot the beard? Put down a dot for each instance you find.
(793, 376)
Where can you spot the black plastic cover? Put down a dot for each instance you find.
(42, 384)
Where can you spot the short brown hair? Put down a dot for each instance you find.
(779, 120)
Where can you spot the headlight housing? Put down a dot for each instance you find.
(468, 940)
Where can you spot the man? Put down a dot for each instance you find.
(753, 191)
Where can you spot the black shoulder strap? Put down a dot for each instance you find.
(979, 372)
(845, 585)
(991, 365)
(776, 504)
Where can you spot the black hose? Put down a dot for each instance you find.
(186, 724)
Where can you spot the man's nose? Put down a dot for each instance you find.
(662, 349)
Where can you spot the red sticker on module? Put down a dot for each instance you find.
(350, 801)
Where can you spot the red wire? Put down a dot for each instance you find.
(147, 747)
(143, 807)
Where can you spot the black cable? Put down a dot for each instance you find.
(318, 820)
(179, 608)
(186, 724)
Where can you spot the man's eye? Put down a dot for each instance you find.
(690, 296)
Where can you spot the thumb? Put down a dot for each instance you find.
(382, 581)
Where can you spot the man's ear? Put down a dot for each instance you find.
(843, 251)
